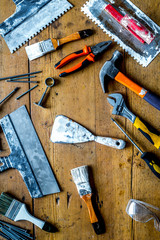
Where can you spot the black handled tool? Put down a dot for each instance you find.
(151, 160)
(117, 101)
(92, 54)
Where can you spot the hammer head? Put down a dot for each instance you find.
(110, 69)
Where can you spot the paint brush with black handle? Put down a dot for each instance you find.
(81, 179)
(15, 210)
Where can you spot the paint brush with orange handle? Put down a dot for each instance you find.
(81, 179)
(39, 49)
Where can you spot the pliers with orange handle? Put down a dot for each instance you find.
(91, 52)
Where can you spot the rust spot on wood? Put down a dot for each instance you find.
(68, 199)
(23, 199)
(56, 24)
(57, 200)
(87, 22)
(70, 24)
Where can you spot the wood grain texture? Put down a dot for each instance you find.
(116, 175)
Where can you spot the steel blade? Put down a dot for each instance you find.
(66, 130)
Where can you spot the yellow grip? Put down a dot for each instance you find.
(148, 132)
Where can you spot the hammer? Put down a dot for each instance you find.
(111, 71)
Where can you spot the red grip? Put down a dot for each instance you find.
(132, 25)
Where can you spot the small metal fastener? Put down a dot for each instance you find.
(21, 75)
(26, 92)
(19, 81)
(9, 95)
(50, 82)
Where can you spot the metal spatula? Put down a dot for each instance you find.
(65, 130)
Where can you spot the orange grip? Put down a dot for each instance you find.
(81, 65)
(87, 199)
(121, 78)
(86, 50)
(70, 38)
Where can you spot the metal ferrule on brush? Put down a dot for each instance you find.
(13, 209)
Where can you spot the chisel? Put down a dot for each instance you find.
(151, 160)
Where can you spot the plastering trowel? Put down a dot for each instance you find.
(30, 17)
(132, 29)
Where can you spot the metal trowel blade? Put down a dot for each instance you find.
(33, 151)
(66, 130)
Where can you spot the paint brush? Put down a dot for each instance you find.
(81, 179)
(15, 210)
(39, 49)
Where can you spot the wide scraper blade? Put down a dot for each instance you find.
(32, 152)
(66, 130)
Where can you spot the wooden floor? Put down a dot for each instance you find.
(117, 175)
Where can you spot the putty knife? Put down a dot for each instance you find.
(65, 130)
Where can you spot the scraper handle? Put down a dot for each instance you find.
(111, 142)
(149, 97)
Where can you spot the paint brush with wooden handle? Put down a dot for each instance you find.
(16, 211)
(81, 179)
(39, 49)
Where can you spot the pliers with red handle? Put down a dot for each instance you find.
(92, 52)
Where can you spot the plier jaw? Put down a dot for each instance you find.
(92, 53)
(99, 48)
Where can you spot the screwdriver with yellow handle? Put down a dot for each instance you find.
(117, 101)
(152, 162)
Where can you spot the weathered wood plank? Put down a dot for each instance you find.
(116, 176)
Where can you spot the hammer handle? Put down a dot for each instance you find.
(149, 97)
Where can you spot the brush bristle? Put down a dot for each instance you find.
(5, 202)
(80, 174)
(81, 179)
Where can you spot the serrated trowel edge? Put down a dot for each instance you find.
(140, 59)
(24, 32)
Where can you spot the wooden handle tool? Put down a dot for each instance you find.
(81, 179)
(74, 36)
(41, 48)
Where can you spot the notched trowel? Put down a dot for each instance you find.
(27, 154)
(30, 17)
(65, 130)
(133, 30)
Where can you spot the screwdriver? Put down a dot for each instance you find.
(154, 165)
